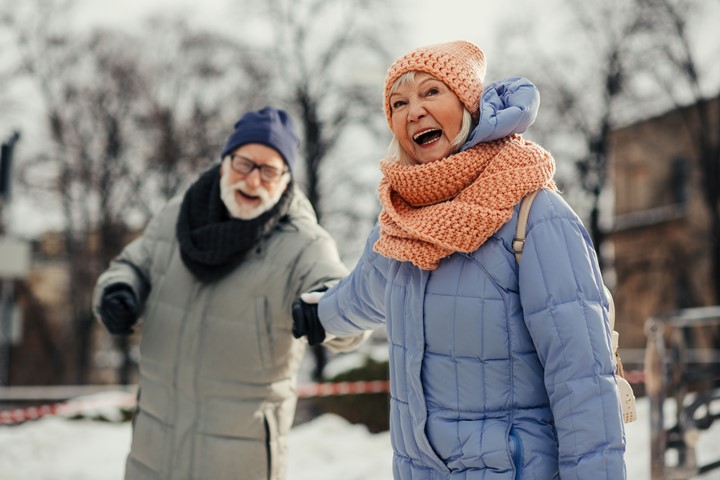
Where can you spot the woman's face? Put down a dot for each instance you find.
(426, 116)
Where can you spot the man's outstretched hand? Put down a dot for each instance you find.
(119, 309)
(305, 318)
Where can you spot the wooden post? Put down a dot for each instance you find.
(655, 390)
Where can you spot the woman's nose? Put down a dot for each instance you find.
(416, 111)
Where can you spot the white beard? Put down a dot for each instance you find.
(248, 212)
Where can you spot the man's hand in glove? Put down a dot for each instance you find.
(119, 309)
(305, 318)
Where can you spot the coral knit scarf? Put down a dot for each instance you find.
(455, 204)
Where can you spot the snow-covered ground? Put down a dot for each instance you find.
(328, 447)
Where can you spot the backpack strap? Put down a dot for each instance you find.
(625, 392)
(518, 243)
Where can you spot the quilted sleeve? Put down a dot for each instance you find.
(357, 302)
(318, 267)
(132, 266)
(565, 310)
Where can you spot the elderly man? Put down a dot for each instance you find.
(214, 276)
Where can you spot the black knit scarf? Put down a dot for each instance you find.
(212, 243)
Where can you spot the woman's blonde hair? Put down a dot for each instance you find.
(396, 151)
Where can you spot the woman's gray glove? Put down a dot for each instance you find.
(119, 309)
(305, 318)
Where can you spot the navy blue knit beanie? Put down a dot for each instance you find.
(271, 127)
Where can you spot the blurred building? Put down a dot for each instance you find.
(47, 351)
(661, 234)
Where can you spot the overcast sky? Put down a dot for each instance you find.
(427, 21)
(424, 22)
(497, 27)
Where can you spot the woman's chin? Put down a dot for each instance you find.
(429, 154)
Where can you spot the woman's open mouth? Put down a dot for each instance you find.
(428, 136)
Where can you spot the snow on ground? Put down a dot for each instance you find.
(328, 447)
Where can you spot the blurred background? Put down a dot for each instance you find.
(108, 109)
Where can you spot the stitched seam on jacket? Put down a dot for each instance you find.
(551, 311)
(559, 304)
(454, 358)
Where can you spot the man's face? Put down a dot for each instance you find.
(253, 178)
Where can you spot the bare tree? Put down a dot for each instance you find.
(199, 84)
(90, 99)
(129, 127)
(127, 131)
(6, 67)
(588, 93)
(322, 51)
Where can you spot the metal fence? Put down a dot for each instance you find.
(682, 366)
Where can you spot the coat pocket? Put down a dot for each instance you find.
(263, 325)
(485, 446)
(516, 452)
(235, 344)
(233, 440)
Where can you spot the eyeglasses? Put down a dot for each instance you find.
(244, 166)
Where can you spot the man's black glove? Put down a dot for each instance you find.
(306, 322)
(119, 309)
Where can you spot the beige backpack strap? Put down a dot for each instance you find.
(519, 240)
(625, 391)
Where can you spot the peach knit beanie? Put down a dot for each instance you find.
(460, 65)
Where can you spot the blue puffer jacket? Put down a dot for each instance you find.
(497, 370)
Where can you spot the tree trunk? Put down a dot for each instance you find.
(85, 322)
(127, 365)
(596, 234)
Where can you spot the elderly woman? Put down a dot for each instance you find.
(498, 369)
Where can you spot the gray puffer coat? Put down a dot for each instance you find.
(218, 361)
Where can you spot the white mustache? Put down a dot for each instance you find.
(241, 186)
(246, 211)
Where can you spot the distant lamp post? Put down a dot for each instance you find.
(14, 264)
(6, 158)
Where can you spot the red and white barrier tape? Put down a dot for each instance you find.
(84, 405)
(77, 406)
(64, 409)
(343, 388)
